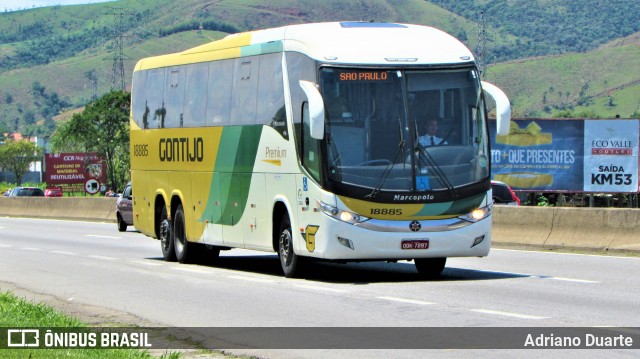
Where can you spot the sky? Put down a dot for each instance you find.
(12, 5)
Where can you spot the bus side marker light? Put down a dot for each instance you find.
(346, 242)
(477, 241)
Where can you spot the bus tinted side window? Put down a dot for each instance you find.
(154, 118)
(299, 67)
(174, 97)
(219, 93)
(139, 101)
(245, 88)
(271, 110)
(195, 99)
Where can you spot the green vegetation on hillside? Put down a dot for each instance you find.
(60, 58)
(603, 83)
(546, 27)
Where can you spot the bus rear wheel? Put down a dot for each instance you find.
(182, 246)
(430, 267)
(166, 237)
(291, 263)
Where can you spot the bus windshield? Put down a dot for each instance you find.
(410, 130)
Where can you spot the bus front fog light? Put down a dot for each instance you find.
(477, 241)
(346, 242)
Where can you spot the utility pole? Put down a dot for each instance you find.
(93, 78)
(117, 71)
(482, 42)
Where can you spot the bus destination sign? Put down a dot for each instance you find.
(364, 76)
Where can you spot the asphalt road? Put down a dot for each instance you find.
(94, 264)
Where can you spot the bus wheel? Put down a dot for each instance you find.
(290, 262)
(430, 267)
(166, 237)
(181, 245)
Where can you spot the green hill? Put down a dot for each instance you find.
(599, 83)
(60, 57)
(546, 27)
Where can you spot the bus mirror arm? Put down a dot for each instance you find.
(503, 107)
(316, 109)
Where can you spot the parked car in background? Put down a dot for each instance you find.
(124, 209)
(53, 192)
(503, 194)
(26, 192)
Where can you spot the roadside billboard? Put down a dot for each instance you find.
(75, 172)
(572, 155)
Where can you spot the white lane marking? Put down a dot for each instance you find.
(63, 252)
(405, 300)
(570, 280)
(6, 245)
(97, 236)
(315, 287)
(31, 249)
(190, 270)
(508, 314)
(146, 263)
(103, 257)
(251, 279)
(541, 276)
(567, 254)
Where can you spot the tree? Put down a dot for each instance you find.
(103, 127)
(16, 156)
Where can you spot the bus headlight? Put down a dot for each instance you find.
(344, 216)
(477, 214)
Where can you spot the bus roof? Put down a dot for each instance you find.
(333, 42)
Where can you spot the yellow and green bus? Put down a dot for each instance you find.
(305, 140)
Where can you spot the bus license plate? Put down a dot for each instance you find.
(415, 244)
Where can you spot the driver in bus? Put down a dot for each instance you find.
(430, 138)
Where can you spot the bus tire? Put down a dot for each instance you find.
(430, 267)
(291, 263)
(184, 251)
(166, 237)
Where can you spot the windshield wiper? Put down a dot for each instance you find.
(424, 155)
(387, 171)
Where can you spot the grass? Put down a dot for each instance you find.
(19, 313)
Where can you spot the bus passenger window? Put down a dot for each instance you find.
(195, 104)
(310, 146)
(271, 110)
(174, 98)
(219, 93)
(245, 91)
(155, 90)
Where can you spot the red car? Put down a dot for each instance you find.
(53, 192)
(503, 194)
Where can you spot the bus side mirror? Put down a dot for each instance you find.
(503, 107)
(316, 109)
